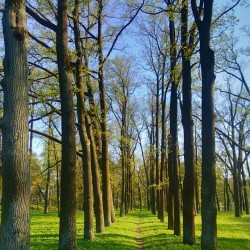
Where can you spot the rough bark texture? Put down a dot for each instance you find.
(91, 181)
(105, 154)
(157, 170)
(236, 184)
(152, 166)
(88, 192)
(163, 141)
(67, 231)
(170, 193)
(15, 224)
(208, 186)
(47, 189)
(98, 201)
(189, 178)
(124, 167)
(174, 130)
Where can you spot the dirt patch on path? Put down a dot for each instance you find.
(139, 240)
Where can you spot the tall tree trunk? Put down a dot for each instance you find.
(15, 216)
(58, 174)
(86, 137)
(236, 191)
(208, 190)
(189, 179)
(152, 166)
(67, 228)
(170, 193)
(227, 193)
(86, 159)
(124, 164)
(31, 110)
(88, 189)
(58, 177)
(47, 190)
(197, 193)
(105, 154)
(242, 177)
(46, 199)
(163, 141)
(122, 205)
(113, 219)
(236, 183)
(157, 165)
(174, 130)
(98, 202)
(145, 170)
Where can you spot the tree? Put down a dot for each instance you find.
(15, 217)
(121, 79)
(207, 60)
(84, 138)
(173, 136)
(187, 120)
(233, 136)
(67, 232)
(104, 135)
(155, 31)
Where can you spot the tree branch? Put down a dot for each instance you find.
(122, 29)
(52, 138)
(226, 11)
(39, 19)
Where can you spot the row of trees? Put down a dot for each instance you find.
(84, 103)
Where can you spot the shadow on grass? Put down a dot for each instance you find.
(167, 241)
(108, 242)
(101, 242)
(233, 244)
(44, 241)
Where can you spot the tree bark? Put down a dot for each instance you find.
(208, 190)
(157, 165)
(189, 178)
(174, 130)
(170, 193)
(47, 190)
(105, 154)
(87, 137)
(15, 217)
(163, 140)
(67, 228)
(152, 166)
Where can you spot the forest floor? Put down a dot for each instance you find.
(139, 230)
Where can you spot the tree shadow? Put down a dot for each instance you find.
(109, 242)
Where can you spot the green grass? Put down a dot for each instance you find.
(233, 233)
(121, 235)
(44, 230)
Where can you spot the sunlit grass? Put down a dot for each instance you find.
(156, 235)
(121, 235)
(44, 230)
(233, 233)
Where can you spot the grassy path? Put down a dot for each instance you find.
(139, 230)
(139, 239)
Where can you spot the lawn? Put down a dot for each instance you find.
(233, 233)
